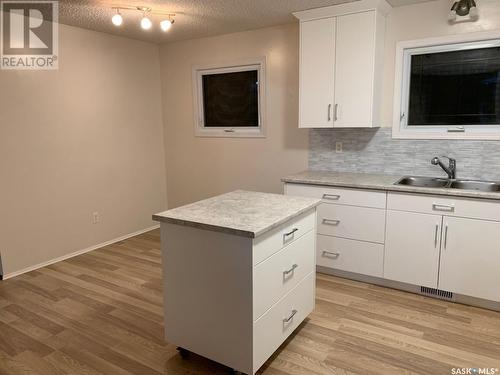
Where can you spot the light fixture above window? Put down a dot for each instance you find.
(463, 8)
(146, 22)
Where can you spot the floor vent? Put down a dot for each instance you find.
(436, 292)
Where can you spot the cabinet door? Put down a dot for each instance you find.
(317, 60)
(470, 258)
(354, 69)
(412, 248)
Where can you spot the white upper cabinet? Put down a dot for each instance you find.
(317, 61)
(341, 62)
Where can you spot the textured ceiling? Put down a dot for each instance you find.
(194, 19)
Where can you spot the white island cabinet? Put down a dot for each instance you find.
(238, 274)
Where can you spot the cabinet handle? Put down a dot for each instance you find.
(436, 235)
(336, 115)
(290, 270)
(329, 112)
(286, 320)
(445, 235)
(443, 207)
(331, 222)
(330, 254)
(331, 197)
(291, 233)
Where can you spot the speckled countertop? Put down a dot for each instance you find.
(244, 213)
(378, 182)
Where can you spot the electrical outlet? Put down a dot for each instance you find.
(338, 147)
(95, 217)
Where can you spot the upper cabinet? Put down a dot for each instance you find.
(341, 62)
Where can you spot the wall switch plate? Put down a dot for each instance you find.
(95, 217)
(338, 147)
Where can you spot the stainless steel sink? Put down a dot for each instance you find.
(487, 186)
(432, 182)
(424, 182)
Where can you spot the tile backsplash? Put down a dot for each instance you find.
(374, 151)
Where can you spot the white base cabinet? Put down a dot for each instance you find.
(412, 248)
(351, 228)
(470, 258)
(440, 242)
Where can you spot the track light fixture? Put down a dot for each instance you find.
(117, 18)
(463, 8)
(146, 22)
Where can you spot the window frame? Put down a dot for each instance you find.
(404, 51)
(200, 130)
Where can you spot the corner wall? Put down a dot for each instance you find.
(201, 167)
(85, 138)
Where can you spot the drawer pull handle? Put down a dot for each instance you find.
(287, 272)
(332, 197)
(445, 236)
(443, 207)
(331, 222)
(287, 320)
(330, 254)
(291, 233)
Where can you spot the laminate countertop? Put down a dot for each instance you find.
(243, 213)
(378, 182)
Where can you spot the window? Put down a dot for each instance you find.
(448, 90)
(230, 100)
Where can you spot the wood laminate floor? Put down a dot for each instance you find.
(101, 313)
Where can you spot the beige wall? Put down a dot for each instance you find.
(426, 20)
(85, 138)
(201, 167)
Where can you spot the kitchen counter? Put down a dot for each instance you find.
(244, 213)
(378, 182)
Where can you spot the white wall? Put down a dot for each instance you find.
(202, 167)
(425, 20)
(85, 138)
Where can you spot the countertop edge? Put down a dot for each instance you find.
(397, 188)
(228, 230)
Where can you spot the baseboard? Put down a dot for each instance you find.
(76, 253)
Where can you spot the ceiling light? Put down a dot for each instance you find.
(117, 18)
(146, 23)
(463, 8)
(165, 25)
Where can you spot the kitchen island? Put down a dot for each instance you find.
(238, 274)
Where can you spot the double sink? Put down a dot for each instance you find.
(430, 182)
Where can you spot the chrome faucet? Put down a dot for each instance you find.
(451, 169)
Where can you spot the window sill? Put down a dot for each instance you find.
(230, 133)
(472, 136)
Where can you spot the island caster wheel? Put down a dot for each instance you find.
(183, 352)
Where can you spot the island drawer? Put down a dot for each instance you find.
(281, 272)
(447, 206)
(271, 242)
(349, 255)
(282, 319)
(358, 223)
(353, 197)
